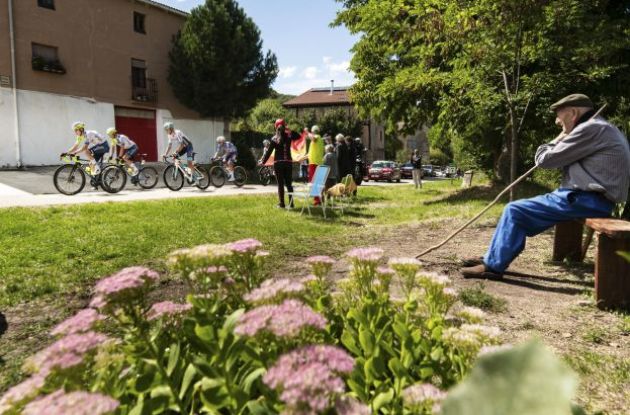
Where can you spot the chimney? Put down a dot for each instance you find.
(332, 86)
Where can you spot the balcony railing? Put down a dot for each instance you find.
(54, 66)
(148, 93)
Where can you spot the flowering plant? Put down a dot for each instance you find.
(378, 341)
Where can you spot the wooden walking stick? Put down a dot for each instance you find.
(496, 199)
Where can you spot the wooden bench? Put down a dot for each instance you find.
(612, 272)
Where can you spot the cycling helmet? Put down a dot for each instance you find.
(169, 125)
(280, 122)
(358, 140)
(78, 125)
(111, 131)
(315, 129)
(266, 142)
(220, 139)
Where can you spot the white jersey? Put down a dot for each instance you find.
(178, 137)
(92, 138)
(123, 141)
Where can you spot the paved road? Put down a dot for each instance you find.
(34, 187)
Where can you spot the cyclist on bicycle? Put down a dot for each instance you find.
(90, 142)
(228, 152)
(127, 149)
(183, 146)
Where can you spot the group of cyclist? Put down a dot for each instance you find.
(95, 146)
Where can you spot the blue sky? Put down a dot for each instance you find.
(309, 52)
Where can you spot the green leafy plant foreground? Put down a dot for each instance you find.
(246, 344)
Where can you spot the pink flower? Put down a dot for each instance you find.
(79, 323)
(385, 271)
(308, 378)
(422, 394)
(346, 405)
(404, 262)
(166, 308)
(320, 259)
(66, 352)
(22, 392)
(366, 254)
(72, 403)
(285, 320)
(271, 289)
(122, 286)
(245, 246)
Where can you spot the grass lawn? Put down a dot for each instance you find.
(62, 250)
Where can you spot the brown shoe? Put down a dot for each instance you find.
(481, 271)
(471, 261)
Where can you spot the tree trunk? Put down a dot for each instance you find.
(514, 144)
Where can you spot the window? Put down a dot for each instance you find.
(47, 53)
(138, 22)
(138, 73)
(48, 4)
(45, 58)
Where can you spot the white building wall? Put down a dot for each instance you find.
(7, 129)
(202, 133)
(45, 126)
(46, 123)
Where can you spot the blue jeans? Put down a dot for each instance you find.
(529, 217)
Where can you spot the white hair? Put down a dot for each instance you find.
(220, 139)
(329, 148)
(339, 137)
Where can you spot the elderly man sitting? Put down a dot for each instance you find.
(595, 160)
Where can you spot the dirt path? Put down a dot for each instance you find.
(554, 302)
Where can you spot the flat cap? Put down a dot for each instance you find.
(573, 100)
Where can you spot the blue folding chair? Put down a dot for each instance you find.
(313, 190)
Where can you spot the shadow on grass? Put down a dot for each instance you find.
(578, 269)
(488, 193)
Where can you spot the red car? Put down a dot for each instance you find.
(384, 170)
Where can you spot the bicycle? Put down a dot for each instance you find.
(219, 174)
(266, 175)
(174, 175)
(146, 178)
(69, 179)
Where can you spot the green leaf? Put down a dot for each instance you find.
(231, 320)
(396, 367)
(358, 316)
(173, 358)
(144, 382)
(526, 380)
(251, 378)
(437, 354)
(358, 389)
(382, 399)
(426, 372)
(189, 375)
(348, 340)
(205, 333)
(366, 338)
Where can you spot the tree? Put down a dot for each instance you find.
(485, 71)
(217, 65)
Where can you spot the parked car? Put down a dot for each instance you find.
(428, 170)
(406, 171)
(384, 170)
(451, 171)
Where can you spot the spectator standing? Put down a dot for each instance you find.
(416, 173)
(330, 160)
(352, 150)
(315, 155)
(283, 163)
(343, 157)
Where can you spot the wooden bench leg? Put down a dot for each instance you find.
(612, 273)
(568, 241)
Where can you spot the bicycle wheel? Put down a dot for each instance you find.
(113, 179)
(240, 176)
(204, 180)
(217, 176)
(173, 178)
(265, 175)
(147, 177)
(69, 179)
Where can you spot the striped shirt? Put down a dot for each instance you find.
(594, 157)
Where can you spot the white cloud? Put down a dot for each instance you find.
(339, 68)
(310, 72)
(327, 60)
(287, 72)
